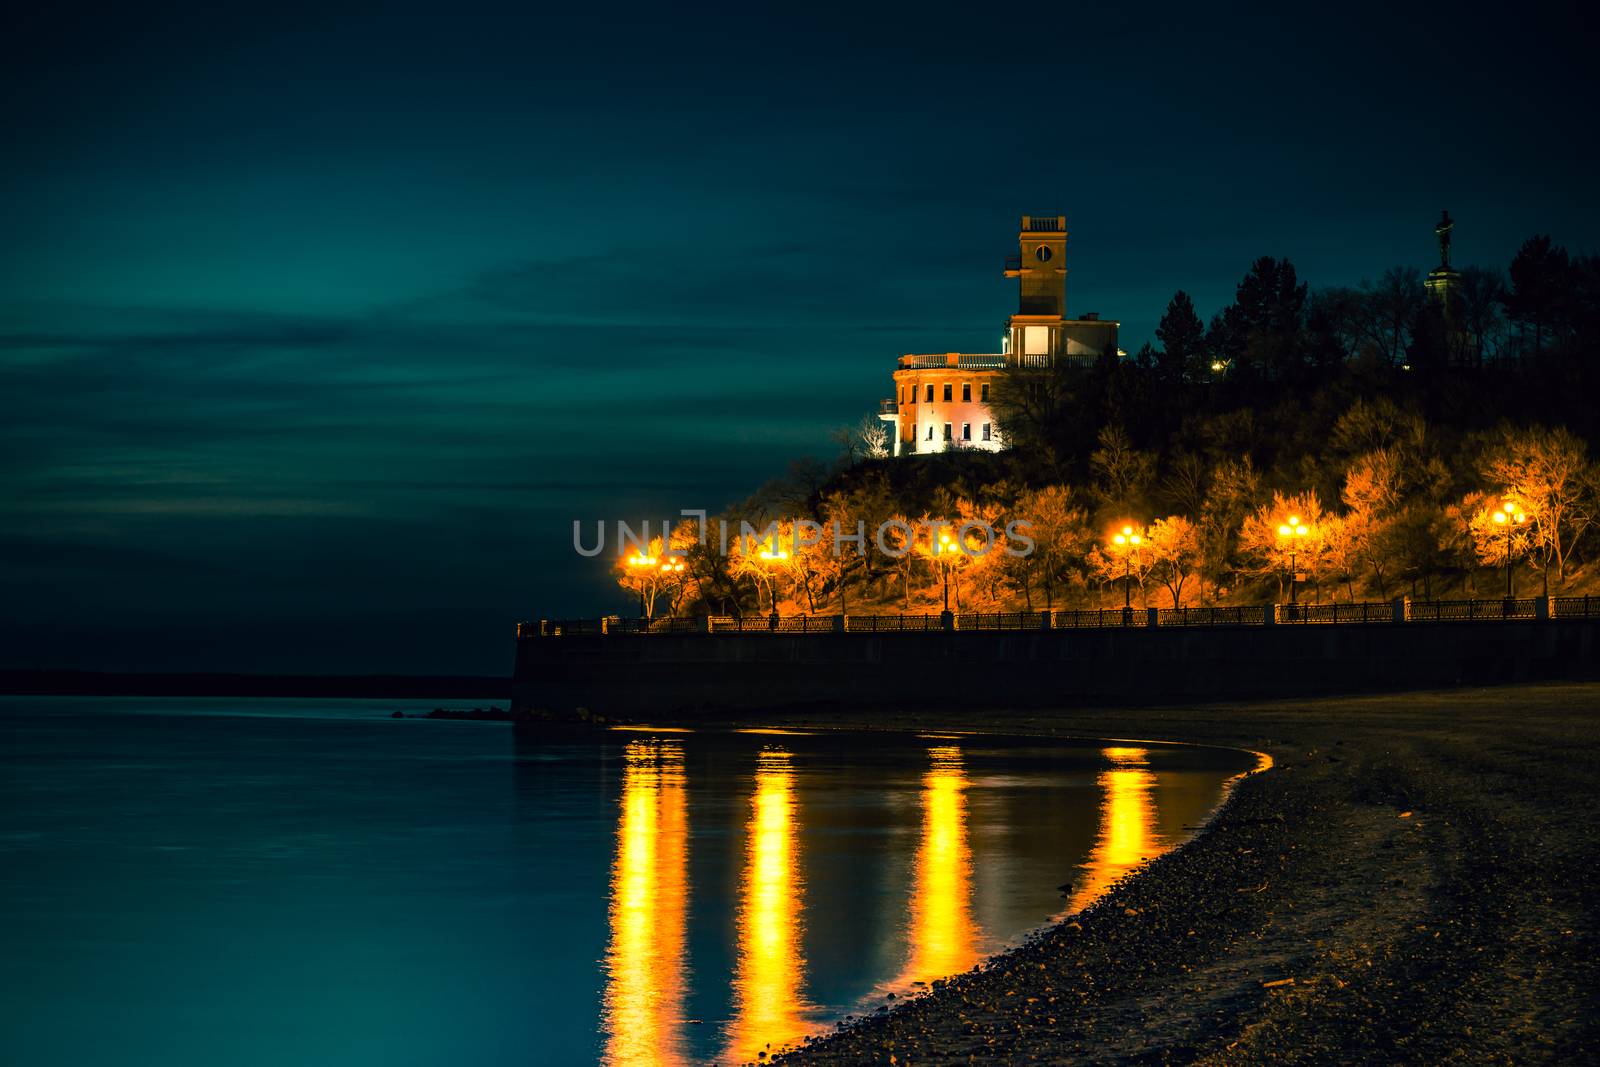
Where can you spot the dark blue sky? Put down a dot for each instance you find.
(316, 332)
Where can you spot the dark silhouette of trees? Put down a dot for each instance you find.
(1183, 356)
(1481, 297)
(1260, 331)
(1540, 284)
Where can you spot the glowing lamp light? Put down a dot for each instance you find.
(640, 560)
(1293, 528)
(1508, 513)
(1127, 537)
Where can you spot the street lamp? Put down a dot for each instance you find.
(1509, 517)
(1128, 543)
(942, 550)
(776, 556)
(640, 565)
(1291, 532)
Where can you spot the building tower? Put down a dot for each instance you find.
(941, 399)
(1040, 333)
(1041, 266)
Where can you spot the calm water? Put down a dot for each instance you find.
(310, 882)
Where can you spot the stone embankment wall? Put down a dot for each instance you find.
(675, 674)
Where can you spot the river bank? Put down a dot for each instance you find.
(1411, 882)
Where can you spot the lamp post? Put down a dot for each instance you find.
(1127, 542)
(775, 556)
(1508, 516)
(941, 554)
(672, 565)
(1291, 532)
(640, 565)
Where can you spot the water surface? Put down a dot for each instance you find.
(311, 882)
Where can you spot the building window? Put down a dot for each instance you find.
(930, 425)
(947, 431)
(966, 392)
(983, 393)
(929, 397)
(986, 431)
(966, 431)
(1036, 340)
(947, 388)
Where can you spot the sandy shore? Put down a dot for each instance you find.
(1415, 881)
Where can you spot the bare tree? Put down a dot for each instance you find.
(872, 437)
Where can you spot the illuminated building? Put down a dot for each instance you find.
(941, 401)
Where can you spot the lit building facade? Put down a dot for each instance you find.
(941, 400)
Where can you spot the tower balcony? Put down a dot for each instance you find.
(888, 409)
(955, 360)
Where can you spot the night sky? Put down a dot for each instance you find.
(317, 332)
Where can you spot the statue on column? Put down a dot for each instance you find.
(1446, 224)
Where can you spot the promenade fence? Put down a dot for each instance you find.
(1398, 612)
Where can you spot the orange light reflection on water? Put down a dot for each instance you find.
(769, 1006)
(943, 938)
(646, 961)
(1127, 824)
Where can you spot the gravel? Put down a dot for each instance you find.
(1413, 881)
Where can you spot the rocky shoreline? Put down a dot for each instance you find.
(1412, 882)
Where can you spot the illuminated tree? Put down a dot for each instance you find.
(1499, 529)
(1123, 555)
(900, 542)
(1372, 491)
(981, 571)
(1232, 493)
(761, 561)
(1547, 471)
(1344, 548)
(867, 439)
(1062, 539)
(943, 551)
(873, 435)
(1267, 551)
(705, 577)
(651, 575)
(1175, 553)
(837, 558)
